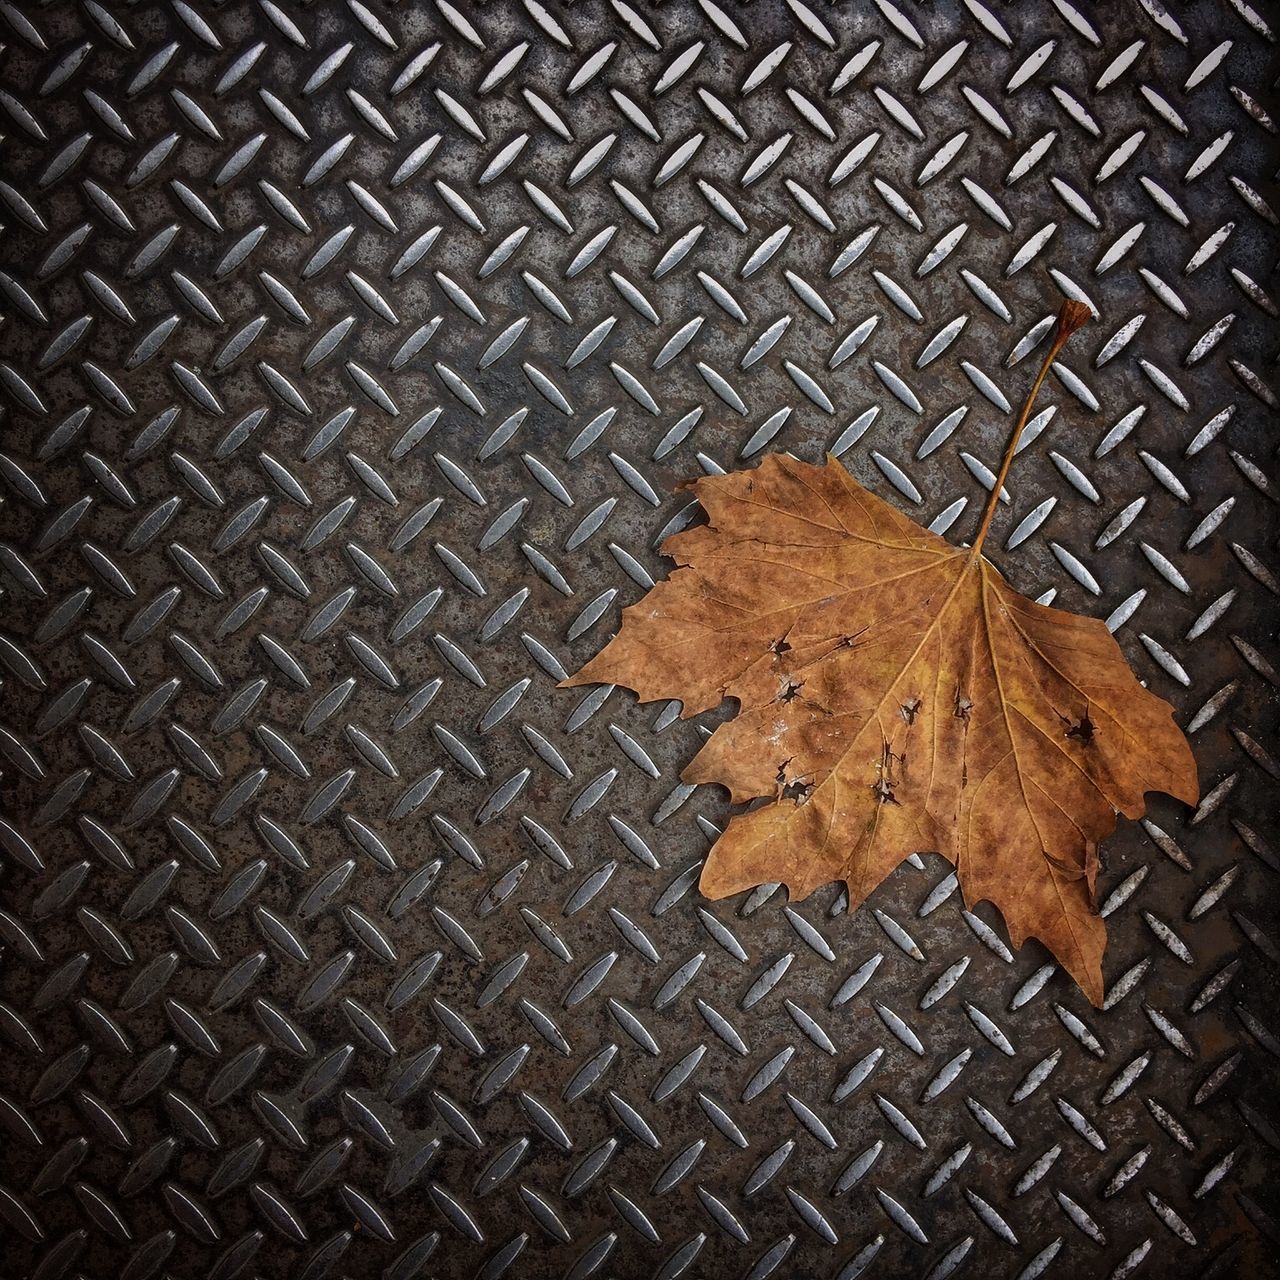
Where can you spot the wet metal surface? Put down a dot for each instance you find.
(351, 355)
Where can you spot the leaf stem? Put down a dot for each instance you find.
(1070, 318)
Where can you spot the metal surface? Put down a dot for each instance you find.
(351, 355)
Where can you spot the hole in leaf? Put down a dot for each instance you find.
(799, 791)
(1082, 730)
(884, 784)
(884, 791)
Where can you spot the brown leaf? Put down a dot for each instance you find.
(896, 696)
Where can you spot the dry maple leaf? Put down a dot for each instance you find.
(896, 696)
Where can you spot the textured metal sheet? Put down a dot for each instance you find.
(351, 355)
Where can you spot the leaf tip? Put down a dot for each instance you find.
(1092, 985)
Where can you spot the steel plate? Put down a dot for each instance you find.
(352, 354)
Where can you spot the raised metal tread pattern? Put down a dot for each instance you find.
(351, 356)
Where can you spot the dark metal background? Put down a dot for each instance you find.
(351, 355)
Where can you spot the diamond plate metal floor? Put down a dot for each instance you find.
(352, 353)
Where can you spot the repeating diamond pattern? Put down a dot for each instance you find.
(351, 356)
